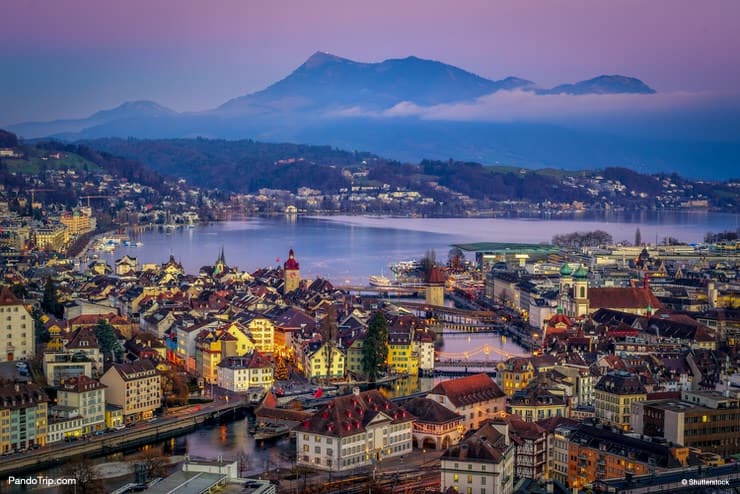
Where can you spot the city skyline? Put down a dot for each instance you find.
(79, 57)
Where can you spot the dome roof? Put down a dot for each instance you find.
(581, 272)
(566, 270)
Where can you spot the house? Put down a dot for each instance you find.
(318, 357)
(134, 387)
(435, 426)
(537, 403)
(614, 395)
(262, 331)
(238, 374)
(477, 398)
(514, 374)
(483, 463)
(87, 396)
(354, 431)
(18, 330)
(23, 411)
(530, 446)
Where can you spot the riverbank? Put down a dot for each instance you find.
(142, 434)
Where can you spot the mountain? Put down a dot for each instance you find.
(130, 110)
(330, 100)
(326, 82)
(603, 84)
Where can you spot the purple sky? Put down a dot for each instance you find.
(73, 57)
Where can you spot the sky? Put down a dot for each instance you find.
(68, 59)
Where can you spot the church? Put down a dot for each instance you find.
(577, 299)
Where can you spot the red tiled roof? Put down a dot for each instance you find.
(468, 390)
(349, 415)
(622, 298)
(7, 297)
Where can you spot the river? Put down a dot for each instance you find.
(348, 249)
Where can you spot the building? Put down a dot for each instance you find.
(238, 374)
(481, 464)
(530, 446)
(477, 398)
(291, 273)
(134, 387)
(614, 395)
(402, 355)
(77, 222)
(434, 293)
(322, 361)
(23, 415)
(87, 396)
(514, 374)
(537, 403)
(435, 426)
(51, 238)
(598, 453)
(59, 366)
(262, 331)
(705, 420)
(18, 330)
(354, 431)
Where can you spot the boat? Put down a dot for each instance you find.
(269, 431)
(380, 281)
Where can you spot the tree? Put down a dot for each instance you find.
(174, 388)
(153, 461)
(428, 262)
(109, 344)
(86, 480)
(281, 370)
(375, 346)
(328, 329)
(456, 258)
(49, 301)
(638, 237)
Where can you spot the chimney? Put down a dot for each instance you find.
(356, 390)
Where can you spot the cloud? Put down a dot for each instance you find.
(518, 105)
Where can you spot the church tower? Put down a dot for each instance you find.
(566, 285)
(292, 273)
(580, 291)
(220, 266)
(434, 293)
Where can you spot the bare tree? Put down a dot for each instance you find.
(86, 480)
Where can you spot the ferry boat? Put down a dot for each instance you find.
(380, 281)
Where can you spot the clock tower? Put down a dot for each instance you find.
(292, 273)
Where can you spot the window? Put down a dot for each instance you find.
(470, 479)
(455, 477)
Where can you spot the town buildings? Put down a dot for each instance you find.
(23, 416)
(614, 395)
(238, 374)
(18, 330)
(476, 398)
(135, 387)
(352, 431)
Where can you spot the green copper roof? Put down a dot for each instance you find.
(566, 270)
(581, 272)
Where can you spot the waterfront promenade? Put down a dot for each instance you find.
(142, 433)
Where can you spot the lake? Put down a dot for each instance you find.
(351, 248)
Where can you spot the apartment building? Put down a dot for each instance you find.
(134, 387)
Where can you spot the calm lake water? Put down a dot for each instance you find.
(351, 248)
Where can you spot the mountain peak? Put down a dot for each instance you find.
(320, 58)
(134, 108)
(604, 84)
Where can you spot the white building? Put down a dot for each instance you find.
(238, 374)
(481, 464)
(423, 345)
(477, 398)
(88, 397)
(354, 431)
(17, 328)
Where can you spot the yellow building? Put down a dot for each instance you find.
(51, 238)
(514, 374)
(262, 331)
(354, 356)
(214, 345)
(614, 395)
(316, 362)
(402, 355)
(76, 222)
